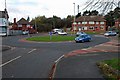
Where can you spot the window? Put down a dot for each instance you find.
(91, 28)
(91, 22)
(78, 22)
(97, 22)
(101, 27)
(2, 29)
(74, 23)
(84, 22)
(19, 25)
(84, 28)
(74, 28)
(101, 22)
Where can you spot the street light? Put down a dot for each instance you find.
(74, 19)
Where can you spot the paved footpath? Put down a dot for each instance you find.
(82, 63)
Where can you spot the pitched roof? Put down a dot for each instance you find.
(22, 21)
(90, 18)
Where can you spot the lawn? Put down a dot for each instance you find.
(53, 38)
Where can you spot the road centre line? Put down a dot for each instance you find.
(31, 51)
(10, 61)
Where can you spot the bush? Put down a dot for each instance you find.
(109, 72)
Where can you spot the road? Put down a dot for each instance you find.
(83, 66)
(34, 60)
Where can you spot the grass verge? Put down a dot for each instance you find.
(110, 68)
(54, 38)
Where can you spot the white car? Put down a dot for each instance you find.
(110, 33)
(62, 33)
(55, 31)
(25, 32)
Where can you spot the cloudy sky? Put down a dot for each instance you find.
(32, 8)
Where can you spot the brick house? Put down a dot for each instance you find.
(23, 25)
(4, 22)
(89, 23)
(117, 23)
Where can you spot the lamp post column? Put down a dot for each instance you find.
(74, 19)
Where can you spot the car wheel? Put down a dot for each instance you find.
(89, 40)
(82, 41)
(76, 41)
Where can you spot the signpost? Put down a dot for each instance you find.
(50, 33)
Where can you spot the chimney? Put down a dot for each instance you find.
(14, 20)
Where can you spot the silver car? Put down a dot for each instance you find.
(110, 33)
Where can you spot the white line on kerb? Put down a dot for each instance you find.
(31, 51)
(10, 61)
(59, 58)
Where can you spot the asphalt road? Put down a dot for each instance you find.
(83, 66)
(34, 60)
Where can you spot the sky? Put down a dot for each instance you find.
(33, 8)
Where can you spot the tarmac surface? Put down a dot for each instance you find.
(4, 48)
(82, 63)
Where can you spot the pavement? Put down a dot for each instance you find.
(82, 63)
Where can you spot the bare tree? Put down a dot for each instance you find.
(103, 6)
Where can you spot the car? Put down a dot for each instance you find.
(83, 38)
(80, 33)
(110, 33)
(25, 32)
(55, 31)
(62, 33)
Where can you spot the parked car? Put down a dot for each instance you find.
(55, 31)
(25, 32)
(83, 38)
(62, 33)
(80, 33)
(110, 33)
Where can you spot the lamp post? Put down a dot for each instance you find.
(74, 19)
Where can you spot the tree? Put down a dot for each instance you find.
(78, 15)
(110, 19)
(47, 24)
(94, 13)
(117, 13)
(86, 13)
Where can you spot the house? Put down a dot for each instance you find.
(23, 25)
(4, 22)
(89, 23)
(117, 23)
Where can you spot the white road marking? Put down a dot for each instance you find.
(59, 58)
(31, 51)
(13, 48)
(10, 61)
